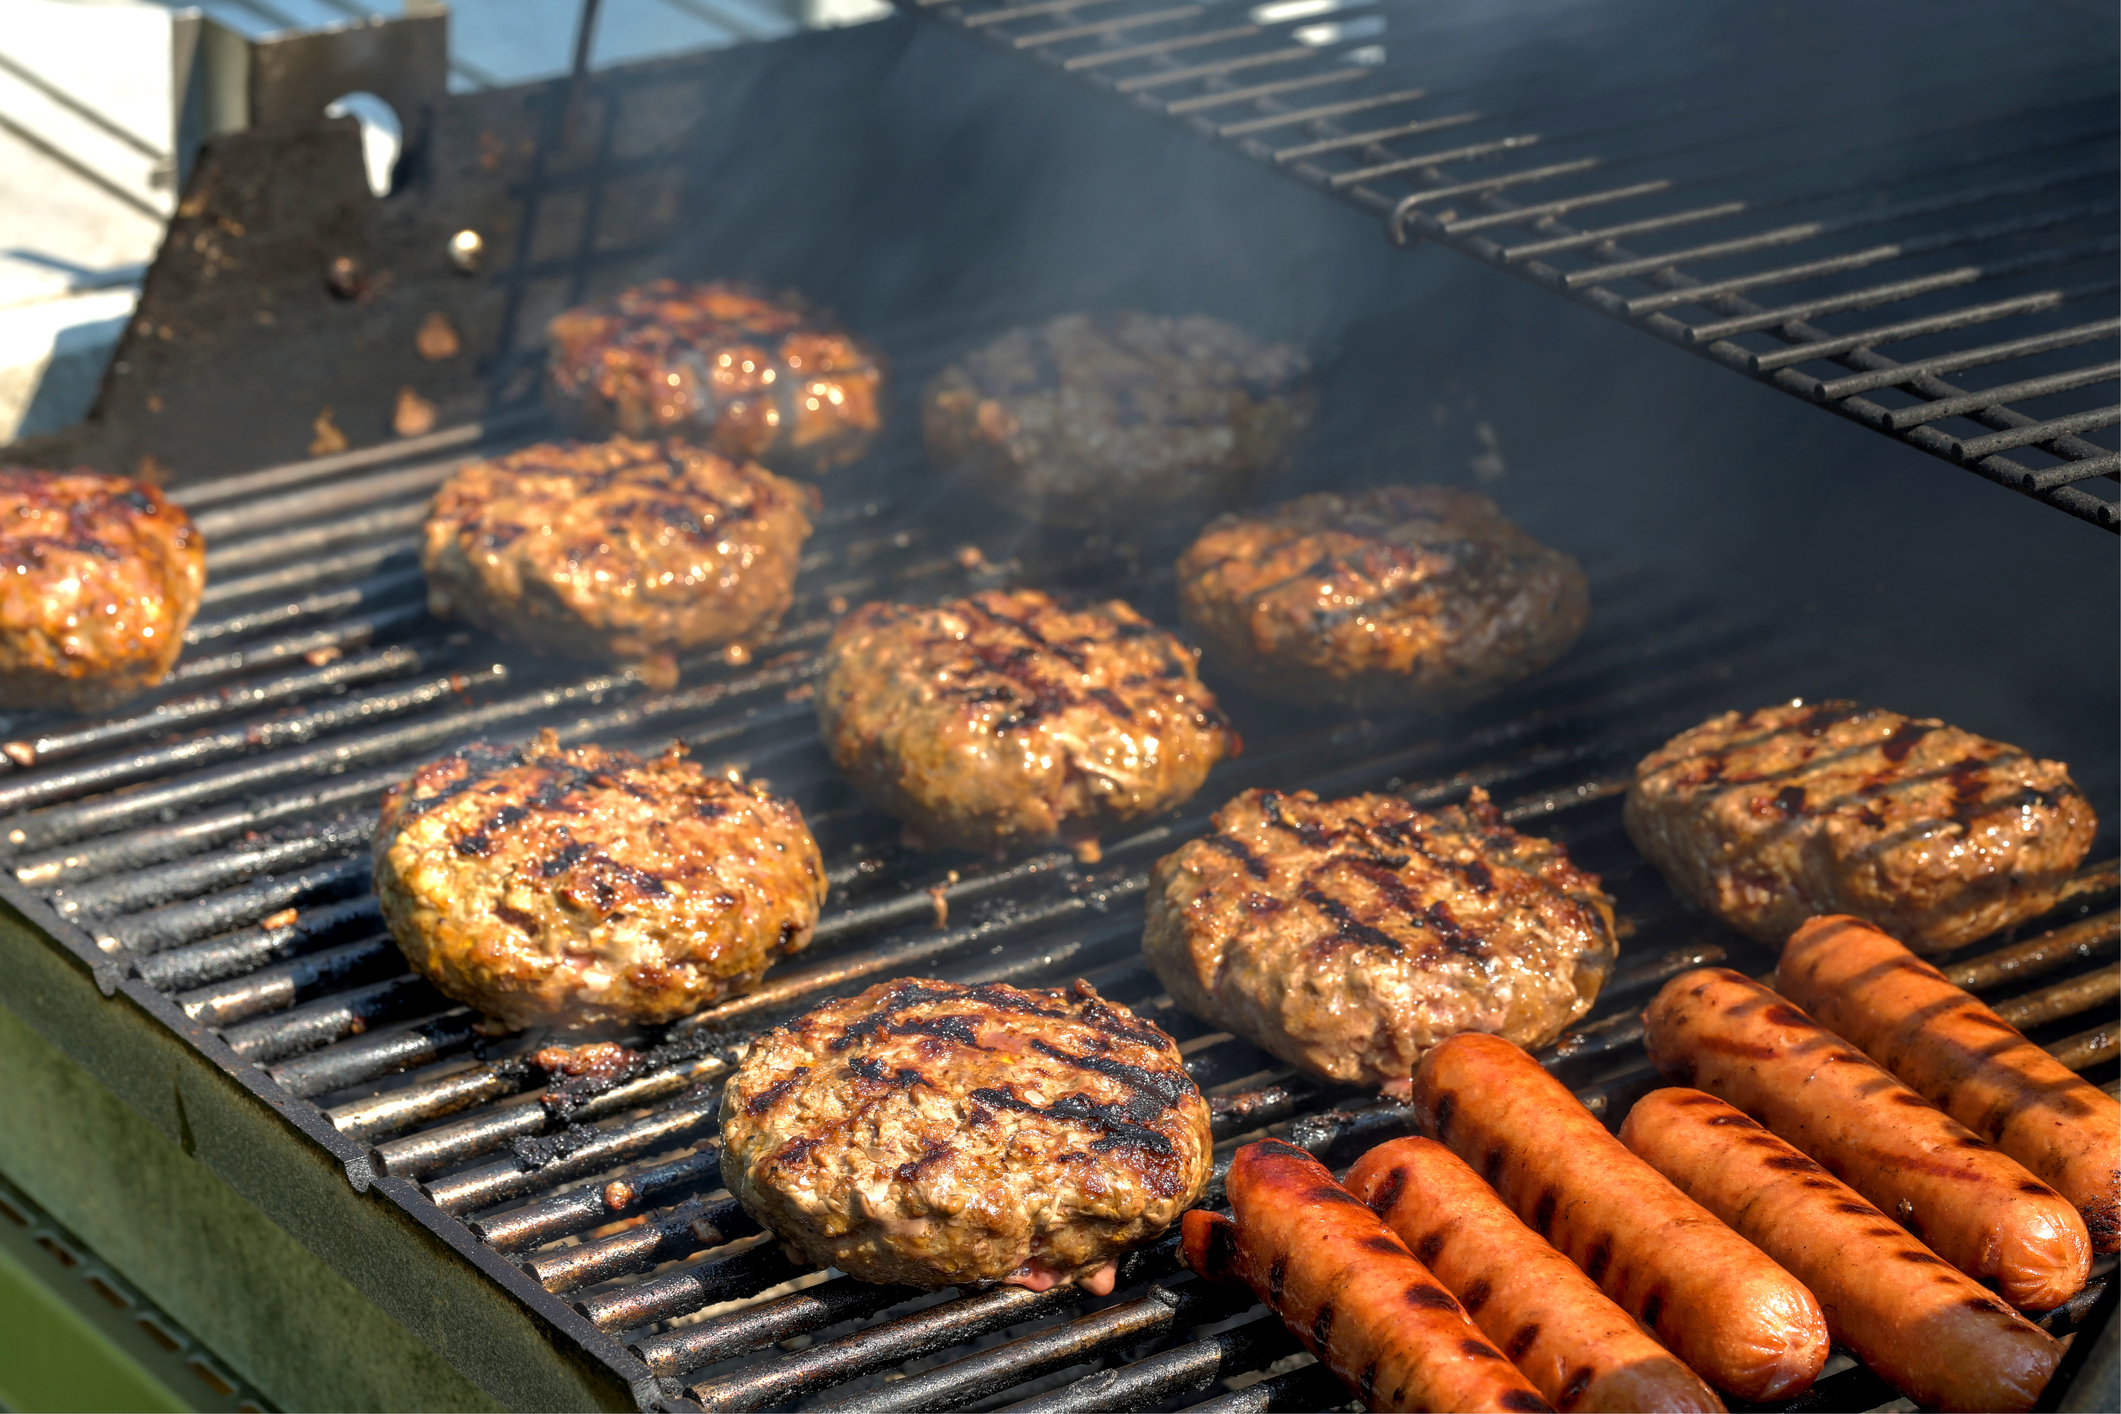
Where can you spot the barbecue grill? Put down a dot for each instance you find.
(199, 857)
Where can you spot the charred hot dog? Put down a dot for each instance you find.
(1940, 1338)
(1971, 1204)
(1715, 1300)
(1349, 1289)
(1964, 1059)
(1582, 1351)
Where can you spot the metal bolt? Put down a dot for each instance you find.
(466, 249)
(343, 277)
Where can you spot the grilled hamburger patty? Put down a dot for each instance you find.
(1419, 596)
(933, 1134)
(755, 377)
(589, 888)
(619, 550)
(1935, 835)
(1091, 419)
(1349, 936)
(99, 577)
(1009, 718)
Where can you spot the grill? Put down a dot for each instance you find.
(1791, 232)
(203, 852)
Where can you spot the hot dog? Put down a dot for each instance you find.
(1580, 1350)
(1939, 1337)
(1964, 1059)
(1349, 1289)
(1715, 1300)
(1971, 1204)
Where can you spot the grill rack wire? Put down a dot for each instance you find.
(1958, 237)
(204, 852)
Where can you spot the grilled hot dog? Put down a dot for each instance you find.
(1940, 1338)
(1581, 1350)
(1715, 1300)
(1972, 1204)
(1349, 1289)
(1964, 1059)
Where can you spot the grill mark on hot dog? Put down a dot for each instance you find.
(1277, 1277)
(1476, 1296)
(1652, 1308)
(1322, 1325)
(1579, 1381)
(1430, 1246)
(1381, 1242)
(1387, 1197)
(1426, 1296)
(1521, 1340)
(1517, 1401)
(1598, 1258)
(1543, 1213)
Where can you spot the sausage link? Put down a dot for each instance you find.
(1942, 1340)
(1715, 1300)
(1349, 1289)
(1582, 1351)
(1964, 1059)
(1973, 1205)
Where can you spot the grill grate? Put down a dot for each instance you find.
(205, 854)
(1800, 221)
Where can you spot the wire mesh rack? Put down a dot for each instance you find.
(1849, 205)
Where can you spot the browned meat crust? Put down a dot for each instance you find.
(99, 577)
(589, 888)
(754, 376)
(619, 551)
(1935, 835)
(933, 1134)
(1009, 718)
(1348, 937)
(1093, 419)
(1418, 596)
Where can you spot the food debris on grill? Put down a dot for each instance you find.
(752, 376)
(588, 888)
(1348, 937)
(99, 577)
(933, 1134)
(1401, 596)
(617, 551)
(1012, 718)
(1931, 833)
(1094, 419)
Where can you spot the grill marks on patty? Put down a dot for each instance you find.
(1011, 717)
(1934, 834)
(1349, 936)
(584, 887)
(938, 1133)
(906, 1009)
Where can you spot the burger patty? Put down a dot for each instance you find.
(589, 888)
(99, 577)
(753, 376)
(931, 1134)
(1009, 718)
(1401, 596)
(1093, 419)
(1935, 835)
(1350, 936)
(620, 551)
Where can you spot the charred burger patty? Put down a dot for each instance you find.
(99, 577)
(619, 550)
(1934, 834)
(933, 1134)
(1010, 718)
(1349, 936)
(589, 888)
(1417, 596)
(1091, 419)
(755, 377)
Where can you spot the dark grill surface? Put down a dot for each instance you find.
(206, 852)
(1924, 192)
